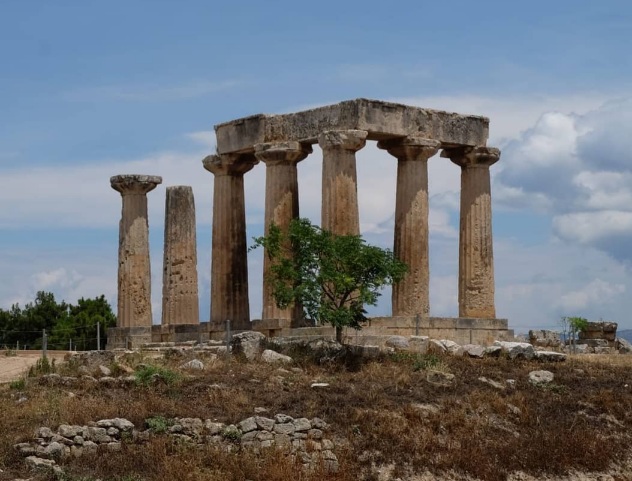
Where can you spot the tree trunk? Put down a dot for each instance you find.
(339, 334)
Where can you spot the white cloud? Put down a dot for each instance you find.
(595, 292)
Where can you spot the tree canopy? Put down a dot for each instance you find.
(63, 322)
(333, 277)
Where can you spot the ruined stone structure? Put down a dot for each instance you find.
(180, 302)
(411, 135)
(134, 276)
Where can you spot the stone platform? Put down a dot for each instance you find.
(374, 332)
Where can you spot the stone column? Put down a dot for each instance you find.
(281, 159)
(340, 190)
(229, 255)
(180, 303)
(134, 276)
(411, 295)
(476, 257)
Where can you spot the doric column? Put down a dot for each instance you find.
(476, 257)
(411, 294)
(180, 303)
(340, 190)
(281, 159)
(134, 273)
(229, 261)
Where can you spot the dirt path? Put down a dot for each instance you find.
(12, 367)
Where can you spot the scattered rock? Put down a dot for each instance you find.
(492, 383)
(271, 356)
(541, 377)
(397, 342)
(550, 356)
(247, 344)
(105, 371)
(440, 378)
(516, 350)
(194, 365)
(472, 350)
(319, 385)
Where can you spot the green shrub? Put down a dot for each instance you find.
(18, 384)
(42, 366)
(158, 424)
(148, 374)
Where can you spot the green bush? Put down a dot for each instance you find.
(158, 424)
(148, 374)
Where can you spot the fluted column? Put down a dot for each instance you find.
(476, 257)
(411, 295)
(340, 184)
(180, 303)
(229, 261)
(134, 273)
(281, 207)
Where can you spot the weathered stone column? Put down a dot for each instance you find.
(411, 295)
(476, 257)
(340, 184)
(281, 159)
(180, 303)
(134, 273)
(229, 255)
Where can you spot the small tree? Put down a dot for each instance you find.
(331, 276)
(573, 325)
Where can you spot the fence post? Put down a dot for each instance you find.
(98, 336)
(417, 325)
(44, 343)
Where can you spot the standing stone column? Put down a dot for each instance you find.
(180, 303)
(476, 257)
(281, 160)
(229, 255)
(340, 183)
(134, 274)
(411, 295)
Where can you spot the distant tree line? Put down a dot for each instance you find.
(64, 323)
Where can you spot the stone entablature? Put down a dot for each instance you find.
(381, 120)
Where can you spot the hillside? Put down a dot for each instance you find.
(625, 334)
(397, 416)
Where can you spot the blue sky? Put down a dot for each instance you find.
(92, 89)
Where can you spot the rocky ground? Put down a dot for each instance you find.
(322, 412)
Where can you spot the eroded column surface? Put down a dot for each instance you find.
(134, 273)
(476, 257)
(411, 295)
(281, 207)
(229, 261)
(340, 184)
(180, 304)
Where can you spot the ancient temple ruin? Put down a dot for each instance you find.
(411, 135)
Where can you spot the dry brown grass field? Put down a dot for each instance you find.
(580, 423)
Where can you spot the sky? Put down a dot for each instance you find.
(93, 89)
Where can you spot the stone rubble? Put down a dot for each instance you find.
(301, 438)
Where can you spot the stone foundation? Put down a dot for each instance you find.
(375, 332)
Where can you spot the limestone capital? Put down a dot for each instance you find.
(229, 164)
(275, 153)
(410, 148)
(468, 157)
(135, 184)
(352, 140)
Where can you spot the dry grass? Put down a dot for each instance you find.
(372, 404)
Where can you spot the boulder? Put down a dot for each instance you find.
(472, 350)
(194, 365)
(397, 342)
(271, 356)
(436, 347)
(492, 351)
(516, 350)
(247, 344)
(623, 346)
(550, 356)
(105, 371)
(451, 347)
(541, 377)
(545, 338)
(440, 378)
